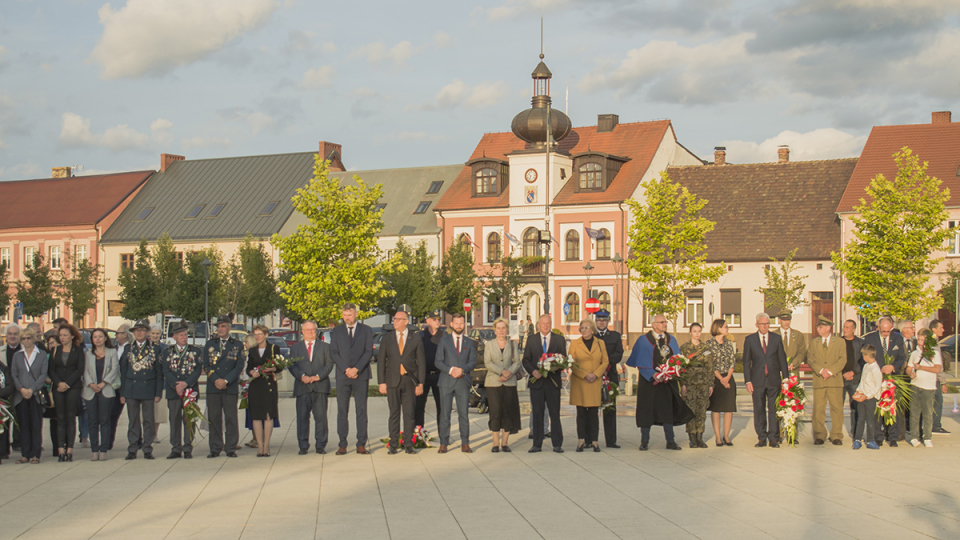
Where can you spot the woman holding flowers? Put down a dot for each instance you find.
(590, 363)
(502, 359)
(698, 384)
(724, 398)
(263, 394)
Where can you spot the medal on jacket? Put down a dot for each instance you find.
(144, 360)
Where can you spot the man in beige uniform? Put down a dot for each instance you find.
(826, 357)
(794, 342)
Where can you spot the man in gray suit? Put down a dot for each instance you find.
(401, 369)
(351, 347)
(311, 387)
(456, 358)
(764, 366)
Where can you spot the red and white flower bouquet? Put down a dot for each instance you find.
(191, 411)
(673, 368)
(790, 407)
(550, 363)
(887, 404)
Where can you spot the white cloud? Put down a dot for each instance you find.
(157, 36)
(457, 93)
(321, 77)
(205, 142)
(21, 171)
(377, 53)
(824, 143)
(160, 132)
(514, 8)
(75, 132)
(442, 40)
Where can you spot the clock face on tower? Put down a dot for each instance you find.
(530, 176)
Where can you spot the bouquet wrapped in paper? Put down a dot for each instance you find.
(244, 393)
(421, 438)
(610, 396)
(887, 404)
(191, 411)
(902, 390)
(673, 368)
(280, 362)
(790, 406)
(550, 363)
(7, 418)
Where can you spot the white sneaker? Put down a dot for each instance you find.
(915, 443)
(928, 443)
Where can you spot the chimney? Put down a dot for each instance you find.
(606, 122)
(60, 172)
(166, 160)
(783, 153)
(720, 155)
(327, 148)
(941, 117)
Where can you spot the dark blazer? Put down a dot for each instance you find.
(255, 360)
(230, 362)
(143, 384)
(447, 358)
(352, 354)
(754, 360)
(533, 350)
(897, 349)
(614, 342)
(320, 364)
(71, 372)
(389, 359)
(189, 367)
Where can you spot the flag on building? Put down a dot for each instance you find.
(513, 239)
(596, 234)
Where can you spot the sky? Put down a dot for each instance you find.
(110, 86)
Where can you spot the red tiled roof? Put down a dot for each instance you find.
(765, 210)
(54, 202)
(937, 144)
(638, 141)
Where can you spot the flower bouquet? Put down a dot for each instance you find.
(612, 391)
(903, 391)
(244, 393)
(280, 362)
(790, 405)
(421, 438)
(887, 404)
(191, 411)
(551, 363)
(7, 418)
(673, 368)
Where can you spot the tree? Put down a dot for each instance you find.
(334, 258)
(139, 290)
(458, 279)
(948, 292)
(416, 284)
(36, 292)
(192, 298)
(259, 290)
(504, 282)
(666, 239)
(889, 260)
(5, 297)
(167, 267)
(784, 290)
(79, 289)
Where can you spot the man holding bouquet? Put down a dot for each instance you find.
(889, 346)
(181, 371)
(544, 389)
(827, 358)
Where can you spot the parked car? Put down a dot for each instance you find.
(377, 338)
(287, 335)
(284, 348)
(86, 332)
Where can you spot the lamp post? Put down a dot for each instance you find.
(206, 264)
(617, 261)
(833, 278)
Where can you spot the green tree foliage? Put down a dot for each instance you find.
(250, 286)
(79, 288)
(334, 258)
(37, 290)
(167, 267)
(5, 296)
(784, 290)
(139, 290)
(888, 262)
(949, 288)
(458, 278)
(416, 284)
(504, 281)
(666, 240)
(191, 300)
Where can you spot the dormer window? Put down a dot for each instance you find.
(591, 176)
(489, 176)
(595, 171)
(486, 182)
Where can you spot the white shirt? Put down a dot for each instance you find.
(402, 335)
(31, 357)
(140, 344)
(871, 381)
(262, 350)
(925, 379)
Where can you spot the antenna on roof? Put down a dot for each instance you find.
(75, 168)
(566, 106)
(541, 38)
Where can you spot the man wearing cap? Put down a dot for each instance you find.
(141, 387)
(794, 342)
(223, 362)
(431, 335)
(351, 347)
(827, 357)
(614, 343)
(182, 366)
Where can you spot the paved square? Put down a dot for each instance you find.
(732, 492)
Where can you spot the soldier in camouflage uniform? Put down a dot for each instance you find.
(698, 385)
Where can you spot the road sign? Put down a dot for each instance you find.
(466, 304)
(592, 305)
(566, 309)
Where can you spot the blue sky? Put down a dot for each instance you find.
(110, 86)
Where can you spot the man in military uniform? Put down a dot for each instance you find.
(141, 387)
(614, 343)
(431, 340)
(794, 342)
(182, 366)
(223, 360)
(827, 358)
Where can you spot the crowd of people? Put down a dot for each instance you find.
(55, 376)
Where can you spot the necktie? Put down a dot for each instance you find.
(400, 341)
(310, 350)
(763, 340)
(885, 344)
(458, 344)
(826, 343)
(786, 338)
(544, 344)
(350, 330)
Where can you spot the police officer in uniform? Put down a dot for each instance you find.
(431, 335)
(223, 360)
(141, 387)
(182, 366)
(614, 343)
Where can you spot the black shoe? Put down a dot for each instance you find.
(546, 435)
(596, 448)
(760, 444)
(614, 445)
(644, 447)
(70, 457)
(817, 442)
(693, 441)
(837, 442)
(303, 451)
(728, 443)
(580, 448)
(940, 431)
(188, 455)
(506, 448)
(774, 444)
(409, 451)
(61, 458)
(131, 455)
(231, 454)
(672, 445)
(393, 451)
(495, 449)
(558, 449)
(213, 454)
(534, 450)
(174, 455)
(892, 444)
(321, 451)
(148, 455)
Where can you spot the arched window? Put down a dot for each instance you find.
(531, 242)
(494, 247)
(486, 182)
(603, 245)
(465, 239)
(591, 176)
(573, 300)
(604, 299)
(573, 246)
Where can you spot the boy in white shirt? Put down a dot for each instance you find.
(923, 371)
(871, 386)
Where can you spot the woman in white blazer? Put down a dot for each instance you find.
(101, 371)
(29, 372)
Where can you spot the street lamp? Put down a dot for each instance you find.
(587, 270)
(206, 264)
(617, 261)
(833, 278)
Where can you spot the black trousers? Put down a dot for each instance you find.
(765, 420)
(547, 396)
(588, 424)
(357, 388)
(223, 410)
(181, 438)
(98, 419)
(849, 389)
(142, 425)
(401, 397)
(116, 411)
(432, 383)
(67, 404)
(30, 417)
(313, 403)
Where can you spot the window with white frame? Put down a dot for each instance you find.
(5, 257)
(28, 253)
(493, 312)
(55, 258)
(730, 306)
(952, 245)
(81, 253)
(694, 310)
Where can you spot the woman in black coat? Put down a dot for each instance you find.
(262, 395)
(66, 376)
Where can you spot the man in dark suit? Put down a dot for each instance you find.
(544, 390)
(456, 358)
(401, 369)
(141, 386)
(311, 387)
(431, 335)
(853, 368)
(614, 342)
(764, 367)
(351, 347)
(223, 360)
(182, 366)
(887, 343)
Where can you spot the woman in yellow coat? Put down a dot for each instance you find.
(590, 355)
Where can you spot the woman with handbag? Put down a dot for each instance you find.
(502, 359)
(101, 371)
(66, 373)
(586, 383)
(29, 371)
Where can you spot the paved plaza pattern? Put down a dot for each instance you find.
(821, 492)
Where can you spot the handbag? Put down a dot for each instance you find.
(44, 397)
(604, 393)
